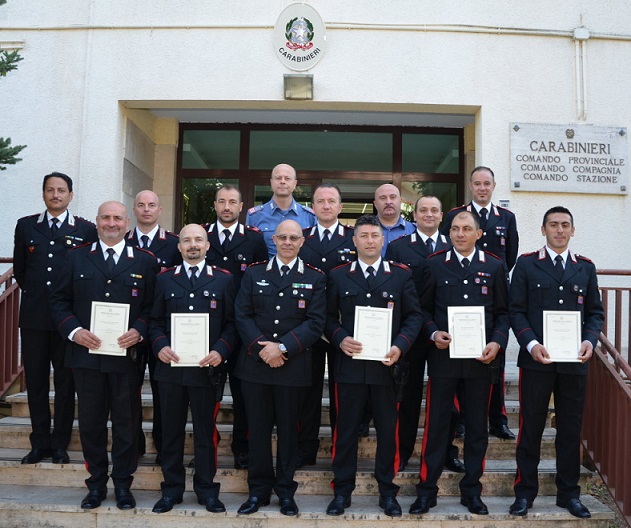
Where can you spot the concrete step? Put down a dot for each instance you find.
(313, 480)
(38, 506)
(15, 431)
(19, 407)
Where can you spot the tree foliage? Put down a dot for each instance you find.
(8, 154)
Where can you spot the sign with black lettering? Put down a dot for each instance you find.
(569, 158)
(299, 37)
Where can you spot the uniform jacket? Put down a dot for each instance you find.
(500, 236)
(38, 260)
(289, 310)
(246, 247)
(163, 246)
(86, 279)
(534, 288)
(213, 294)
(446, 283)
(267, 216)
(393, 288)
(339, 250)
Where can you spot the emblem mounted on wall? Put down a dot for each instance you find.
(299, 37)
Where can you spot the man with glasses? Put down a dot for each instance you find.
(280, 312)
(282, 206)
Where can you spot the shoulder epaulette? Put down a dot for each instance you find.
(172, 268)
(307, 208)
(399, 265)
(221, 269)
(342, 265)
(83, 219)
(583, 257)
(529, 253)
(313, 268)
(144, 251)
(169, 233)
(82, 245)
(439, 252)
(456, 208)
(255, 209)
(493, 255)
(258, 263)
(253, 228)
(30, 216)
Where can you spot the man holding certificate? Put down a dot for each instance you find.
(373, 317)
(557, 315)
(192, 326)
(101, 303)
(465, 306)
(280, 312)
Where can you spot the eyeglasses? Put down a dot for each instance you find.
(293, 238)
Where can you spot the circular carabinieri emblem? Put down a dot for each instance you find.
(299, 37)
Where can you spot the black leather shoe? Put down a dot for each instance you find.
(453, 464)
(165, 504)
(60, 456)
(158, 459)
(501, 431)
(364, 430)
(37, 454)
(403, 464)
(213, 505)
(520, 507)
(460, 430)
(93, 499)
(124, 499)
(575, 507)
(191, 464)
(338, 504)
(422, 505)
(391, 506)
(475, 505)
(288, 506)
(252, 505)
(241, 461)
(302, 461)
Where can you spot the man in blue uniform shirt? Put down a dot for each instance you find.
(41, 244)
(553, 278)
(388, 204)
(281, 207)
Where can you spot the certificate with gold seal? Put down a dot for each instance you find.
(562, 335)
(109, 321)
(373, 329)
(190, 338)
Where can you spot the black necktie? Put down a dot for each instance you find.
(483, 213)
(558, 266)
(371, 275)
(465, 262)
(110, 259)
(430, 244)
(193, 275)
(284, 270)
(325, 238)
(145, 241)
(226, 238)
(54, 225)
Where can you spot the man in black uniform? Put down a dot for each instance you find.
(499, 236)
(412, 250)
(327, 245)
(163, 244)
(461, 276)
(106, 271)
(41, 244)
(370, 281)
(280, 314)
(191, 288)
(234, 246)
(553, 278)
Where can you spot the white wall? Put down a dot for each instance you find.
(81, 59)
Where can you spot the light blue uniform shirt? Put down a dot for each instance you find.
(390, 233)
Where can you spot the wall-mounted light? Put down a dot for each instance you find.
(298, 86)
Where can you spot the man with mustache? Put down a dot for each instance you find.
(388, 204)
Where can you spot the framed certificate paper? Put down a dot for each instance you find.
(468, 331)
(190, 338)
(373, 329)
(109, 321)
(562, 335)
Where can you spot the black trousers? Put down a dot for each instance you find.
(240, 431)
(175, 400)
(351, 400)
(267, 405)
(535, 389)
(40, 349)
(102, 395)
(497, 406)
(439, 402)
(410, 407)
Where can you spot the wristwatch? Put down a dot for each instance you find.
(282, 348)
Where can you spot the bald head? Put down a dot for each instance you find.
(147, 210)
(388, 204)
(193, 244)
(288, 239)
(112, 222)
(283, 182)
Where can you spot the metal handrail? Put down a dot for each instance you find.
(10, 366)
